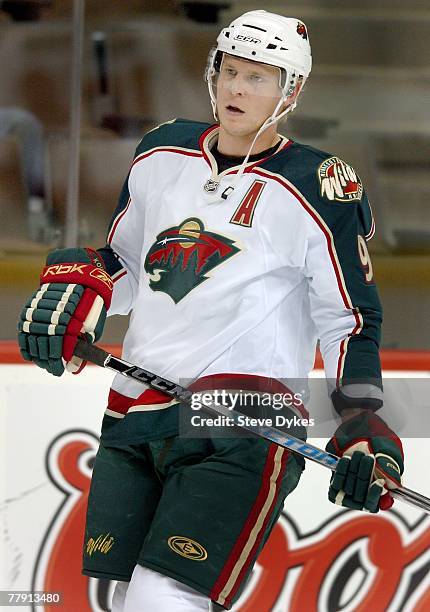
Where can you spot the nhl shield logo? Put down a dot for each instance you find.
(338, 181)
(211, 186)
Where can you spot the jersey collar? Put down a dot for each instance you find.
(207, 140)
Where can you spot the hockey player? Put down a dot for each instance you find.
(234, 249)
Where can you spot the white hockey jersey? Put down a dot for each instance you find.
(243, 284)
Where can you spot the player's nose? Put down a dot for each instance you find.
(237, 86)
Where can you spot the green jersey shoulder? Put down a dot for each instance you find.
(181, 133)
(330, 185)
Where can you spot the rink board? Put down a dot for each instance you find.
(319, 557)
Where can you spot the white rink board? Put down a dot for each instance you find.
(36, 409)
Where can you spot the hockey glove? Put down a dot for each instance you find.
(371, 463)
(72, 300)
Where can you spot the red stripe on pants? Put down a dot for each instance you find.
(248, 527)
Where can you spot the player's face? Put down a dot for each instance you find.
(247, 94)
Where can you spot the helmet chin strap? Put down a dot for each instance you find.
(274, 117)
(212, 98)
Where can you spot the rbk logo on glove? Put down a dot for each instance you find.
(72, 269)
(64, 269)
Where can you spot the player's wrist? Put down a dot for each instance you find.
(351, 413)
(360, 396)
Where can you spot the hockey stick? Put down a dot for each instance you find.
(98, 356)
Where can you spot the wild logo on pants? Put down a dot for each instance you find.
(102, 544)
(190, 549)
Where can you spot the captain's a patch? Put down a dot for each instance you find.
(338, 181)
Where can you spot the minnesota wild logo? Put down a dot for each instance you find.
(181, 257)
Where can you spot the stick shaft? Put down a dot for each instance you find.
(96, 355)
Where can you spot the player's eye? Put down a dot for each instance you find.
(256, 78)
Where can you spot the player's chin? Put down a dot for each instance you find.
(238, 120)
(237, 126)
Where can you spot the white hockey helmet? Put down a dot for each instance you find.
(268, 38)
